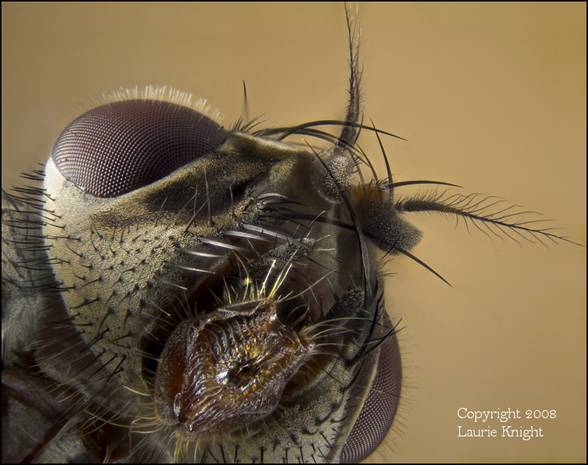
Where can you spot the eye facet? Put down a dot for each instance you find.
(122, 146)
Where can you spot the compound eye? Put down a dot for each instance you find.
(122, 146)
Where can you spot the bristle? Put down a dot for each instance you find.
(153, 92)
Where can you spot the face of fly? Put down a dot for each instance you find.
(233, 270)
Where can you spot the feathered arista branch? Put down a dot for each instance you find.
(489, 214)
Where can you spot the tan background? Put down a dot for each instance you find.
(490, 96)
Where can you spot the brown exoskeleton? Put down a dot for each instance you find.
(184, 291)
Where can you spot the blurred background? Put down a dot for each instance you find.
(489, 96)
